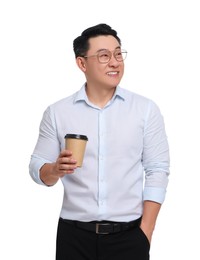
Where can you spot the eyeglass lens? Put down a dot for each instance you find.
(105, 55)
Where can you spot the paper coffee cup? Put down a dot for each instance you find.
(76, 144)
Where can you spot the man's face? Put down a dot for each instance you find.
(104, 75)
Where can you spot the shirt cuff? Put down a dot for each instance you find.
(34, 169)
(154, 194)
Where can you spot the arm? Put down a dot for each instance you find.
(156, 166)
(150, 213)
(48, 163)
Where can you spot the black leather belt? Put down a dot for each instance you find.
(104, 227)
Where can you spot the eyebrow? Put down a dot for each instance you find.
(118, 47)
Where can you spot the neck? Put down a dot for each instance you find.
(99, 96)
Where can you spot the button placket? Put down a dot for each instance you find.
(102, 186)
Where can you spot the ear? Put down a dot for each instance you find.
(81, 63)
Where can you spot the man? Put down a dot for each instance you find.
(111, 203)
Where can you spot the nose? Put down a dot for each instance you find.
(113, 61)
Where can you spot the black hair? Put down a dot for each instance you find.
(81, 43)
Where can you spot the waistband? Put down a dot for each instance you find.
(104, 227)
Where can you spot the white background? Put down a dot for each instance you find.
(37, 67)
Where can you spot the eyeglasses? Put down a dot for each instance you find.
(104, 56)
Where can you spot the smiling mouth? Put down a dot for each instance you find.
(112, 73)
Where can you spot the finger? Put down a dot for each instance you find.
(67, 170)
(66, 160)
(65, 153)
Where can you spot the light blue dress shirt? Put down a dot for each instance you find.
(126, 159)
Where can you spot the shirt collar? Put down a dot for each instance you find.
(82, 96)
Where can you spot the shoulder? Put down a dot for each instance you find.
(135, 98)
(138, 103)
(64, 103)
(70, 100)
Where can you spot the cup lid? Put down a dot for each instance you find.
(76, 136)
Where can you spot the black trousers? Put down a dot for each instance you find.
(74, 243)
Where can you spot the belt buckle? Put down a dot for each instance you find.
(98, 225)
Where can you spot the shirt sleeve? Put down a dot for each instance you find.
(155, 156)
(47, 147)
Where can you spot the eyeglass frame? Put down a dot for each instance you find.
(112, 53)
